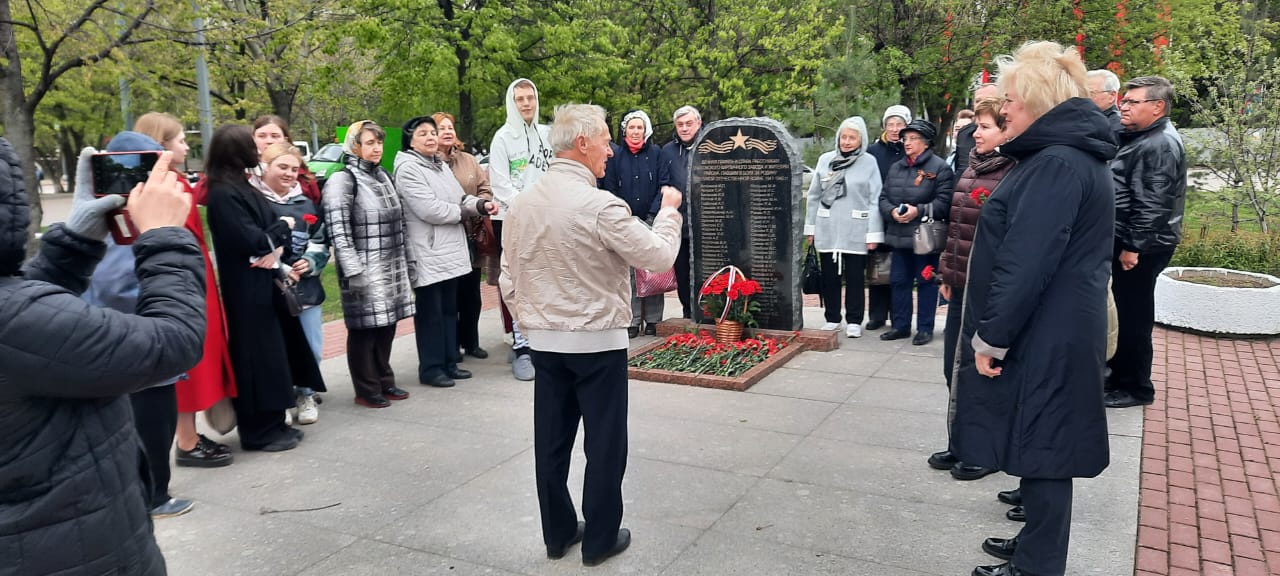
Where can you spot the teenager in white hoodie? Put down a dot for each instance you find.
(519, 155)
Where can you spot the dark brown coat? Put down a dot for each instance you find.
(954, 260)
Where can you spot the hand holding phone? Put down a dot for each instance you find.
(159, 201)
(117, 174)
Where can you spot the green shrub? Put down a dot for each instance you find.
(1249, 252)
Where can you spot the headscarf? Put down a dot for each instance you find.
(833, 187)
(648, 128)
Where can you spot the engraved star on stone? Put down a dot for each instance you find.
(739, 141)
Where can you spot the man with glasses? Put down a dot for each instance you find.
(1150, 176)
(1103, 87)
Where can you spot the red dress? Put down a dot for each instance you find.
(211, 380)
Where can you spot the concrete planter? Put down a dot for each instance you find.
(1233, 311)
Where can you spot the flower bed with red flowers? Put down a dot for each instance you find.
(700, 354)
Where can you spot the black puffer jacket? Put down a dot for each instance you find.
(925, 184)
(1150, 176)
(72, 479)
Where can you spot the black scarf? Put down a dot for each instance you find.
(833, 185)
(989, 162)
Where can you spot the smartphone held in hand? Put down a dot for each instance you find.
(118, 173)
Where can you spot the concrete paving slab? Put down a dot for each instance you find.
(367, 558)
(918, 368)
(922, 432)
(721, 554)
(217, 540)
(788, 415)
(903, 395)
(724, 447)
(842, 361)
(808, 384)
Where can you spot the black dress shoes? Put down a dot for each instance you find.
(922, 338)
(1122, 399)
(895, 334)
(395, 393)
(1006, 569)
(1002, 548)
(458, 374)
(1011, 497)
(943, 460)
(440, 380)
(1017, 514)
(373, 401)
(477, 352)
(873, 325)
(650, 329)
(205, 454)
(633, 331)
(557, 552)
(623, 541)
(963, 471)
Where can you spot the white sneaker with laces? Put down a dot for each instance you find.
(831, 326)
(288, 417)
(853, 331)
(308, 413)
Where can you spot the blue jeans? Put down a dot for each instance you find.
(905, 272)
(312, 320)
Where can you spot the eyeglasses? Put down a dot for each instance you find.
(1127, 102)
(912, 139)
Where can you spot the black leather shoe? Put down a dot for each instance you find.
(622, 543)
(943, 460)
(1001, 548)
(395, 393)
(875, 325)
(373, 401)
(633, 331)
(1122, 399)
(1006, 569)
(922, 338)
(650, 329)
(1011, 497)
(556, 553)
(205, 454)
(477, 352)
(1017, 514)
(962, 471)
(440, 380)
(895, 334)
(458, 374)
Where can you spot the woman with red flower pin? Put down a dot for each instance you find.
(309, 251)
(986, 167)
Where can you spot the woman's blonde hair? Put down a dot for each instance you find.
(1043, 74)
(160, 126)
(990, 106)
(279, 149)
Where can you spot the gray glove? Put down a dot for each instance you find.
(88, 217)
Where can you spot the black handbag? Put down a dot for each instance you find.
(930, 235)
(812, 272)
(287, 287)
(878, 264)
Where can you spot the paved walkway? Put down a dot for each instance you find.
(819, 469)
(1211, 459)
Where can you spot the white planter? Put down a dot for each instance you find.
(1215, 309)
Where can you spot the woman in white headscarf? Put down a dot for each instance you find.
(843, 224)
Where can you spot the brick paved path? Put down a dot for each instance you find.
(1211, 458)
(335, 332)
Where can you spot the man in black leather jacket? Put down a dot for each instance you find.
(1150, 177)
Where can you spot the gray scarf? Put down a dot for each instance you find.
(833, 185)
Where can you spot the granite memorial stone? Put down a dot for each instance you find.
(744, 209)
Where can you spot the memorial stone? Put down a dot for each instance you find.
(744, 209)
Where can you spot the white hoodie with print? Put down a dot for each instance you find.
(520, 153)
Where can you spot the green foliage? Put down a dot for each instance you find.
(1249, 252)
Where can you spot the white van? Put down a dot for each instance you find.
(305, 148)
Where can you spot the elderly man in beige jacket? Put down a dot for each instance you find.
(568, 250)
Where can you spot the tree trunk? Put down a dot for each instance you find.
(282, 103)
(18, 119)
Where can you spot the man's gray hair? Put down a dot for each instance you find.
(681, 111)
(1157, 89)
(1110, 82)
(573, 120)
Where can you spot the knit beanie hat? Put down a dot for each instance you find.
(897, 110)
(406, 131)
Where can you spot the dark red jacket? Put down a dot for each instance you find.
(954, 260)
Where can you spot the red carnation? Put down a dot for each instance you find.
(927, 273)
(310, 219)
(980, 195)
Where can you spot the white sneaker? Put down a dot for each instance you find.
(522, 368)
(307, 411)
(831, 326)
(853, 331)
(288, 417)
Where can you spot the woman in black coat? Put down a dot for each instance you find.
(917, 186)
(1028, 389)
(269, 352)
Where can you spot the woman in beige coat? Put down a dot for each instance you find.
(474, 180)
